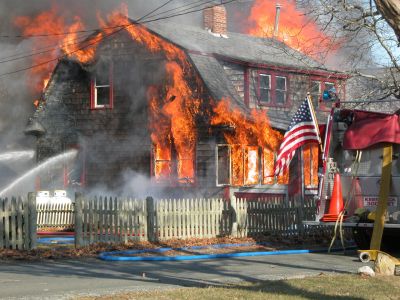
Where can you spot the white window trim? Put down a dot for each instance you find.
(95, 94)
(279, 90)
(263, 88)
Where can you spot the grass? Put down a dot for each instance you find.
(330, 287)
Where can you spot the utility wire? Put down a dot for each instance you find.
(103, 38)
(202, 2)
(41, 35)
(154, 10)
(15, 57)
(181, 14)
(49, 49)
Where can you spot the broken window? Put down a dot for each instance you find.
(223, 165)
(169, 167)
(268, 166)
(102, 87)
(251, 165)
(162, 168)
(239, 165)
(310, 159)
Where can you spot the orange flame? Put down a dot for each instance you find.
(52, 24)
(182, 111)
(247, 135)
(310, 158)
(295, 29)
(160, 128)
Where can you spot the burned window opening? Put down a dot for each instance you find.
(167, 165)
(310, 161)
(239, 165)
(223, 165)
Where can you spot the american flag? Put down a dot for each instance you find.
(302, 130)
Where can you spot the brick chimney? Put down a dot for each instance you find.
(215, 19)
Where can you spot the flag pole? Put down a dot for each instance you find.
(314, 118)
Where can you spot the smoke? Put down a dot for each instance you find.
(16, 94)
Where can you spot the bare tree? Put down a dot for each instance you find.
(390, 10)
(368, 44)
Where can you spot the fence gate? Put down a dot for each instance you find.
(109, 219)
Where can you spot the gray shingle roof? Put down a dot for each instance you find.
(236, 46)
(203, 47)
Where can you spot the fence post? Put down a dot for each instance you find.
(150, 219)
(233, 216)
(300, 218)
(78, 220)
(32, 219)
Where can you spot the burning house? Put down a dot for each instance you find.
(196, 110)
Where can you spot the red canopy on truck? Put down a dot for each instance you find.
(370, 128)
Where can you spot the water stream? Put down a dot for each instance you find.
(17, 155)
(63, 157)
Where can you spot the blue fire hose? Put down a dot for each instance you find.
(56, 240)
(119, 255)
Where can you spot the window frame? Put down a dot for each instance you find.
(285, 91)
(323, 81)
(94, 87)
(269, 88)
(217, 165)
(311, 165)
(260, 168)
(273, 88)
(172, 179)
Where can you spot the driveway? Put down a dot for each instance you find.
(63, 279)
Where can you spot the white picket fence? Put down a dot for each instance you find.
(188, 218)
(55, 216)
(119, 220)
(107, 219)
(111, 219)
(17, 223)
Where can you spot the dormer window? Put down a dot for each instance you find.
(273, 89)
(102, 87)
(316, 87)
(265, 88)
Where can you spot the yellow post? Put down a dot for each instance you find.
(383, 198)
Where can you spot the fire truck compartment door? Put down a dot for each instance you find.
(368, 191)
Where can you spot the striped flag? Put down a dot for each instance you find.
(302, 130)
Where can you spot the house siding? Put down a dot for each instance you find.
(235, 74)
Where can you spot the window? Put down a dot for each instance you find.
(102, 87)
(269, 158)
(280, 90)
(268, 166)
(239, 165)
(310, 159)
(170, 167)
(265, 88)
(251, 163)
(315, 91)
(316, 87)
(162, 162)
(273, 89)
(329, 85)
(223, 165)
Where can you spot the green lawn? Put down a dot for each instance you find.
(339, 287)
